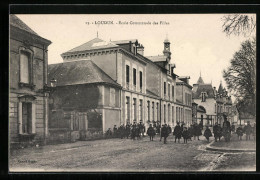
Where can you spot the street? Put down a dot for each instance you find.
(130, 155)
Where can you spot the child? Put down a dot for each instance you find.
(239, 132)
(151, 132)
(207, 133)
(185, 134)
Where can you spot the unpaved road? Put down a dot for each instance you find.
(128, 155)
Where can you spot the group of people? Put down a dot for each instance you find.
(181, 131)
(248, 130)
(125, 131)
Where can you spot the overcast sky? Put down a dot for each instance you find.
(197, 41)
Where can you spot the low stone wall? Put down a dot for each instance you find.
(57, 136)
(91, 134)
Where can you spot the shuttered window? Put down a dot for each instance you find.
(24, 68)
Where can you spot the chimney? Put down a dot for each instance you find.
(140, 49)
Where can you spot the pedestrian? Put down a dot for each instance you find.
(164, 133)
(185, 134)
(197, 131)
(142, 128)
(248, 130)
(239, 132)
(190, 132)
(226, 128)
(207, 133)
(254, 131)
(177, 132)
(127, 130)
(133, 131)
(115, 131)
(217, 132)
(151, 132)
(109, 133)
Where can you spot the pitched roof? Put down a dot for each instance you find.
(95, 43)
(15, 21)
(204, 88)
(220, 88)
(200, 80)
(157, 58)
(124, 41)
(78, 72)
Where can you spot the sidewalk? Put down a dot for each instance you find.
(234, 145)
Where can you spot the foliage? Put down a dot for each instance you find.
(239, 24)
(240, 76)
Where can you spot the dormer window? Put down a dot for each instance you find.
(203, 96)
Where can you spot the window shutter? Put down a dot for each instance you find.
(33, 118)
(20, 117)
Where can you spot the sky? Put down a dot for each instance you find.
(198, 43)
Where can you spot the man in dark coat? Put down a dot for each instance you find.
(185, 134)
(115, 131)
(190, 132)
(151, 132)
(239, 132)
(217, 132)
(133, 131)
(177, 132)
(248, 130)
(197, 131)
(127, 130)
(254, 131)
(226, 128)
(207, 133)
(164, 133)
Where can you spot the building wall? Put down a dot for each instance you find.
(209, 105)
(21, 41)
(153, 78)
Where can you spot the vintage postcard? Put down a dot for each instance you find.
(132, 92)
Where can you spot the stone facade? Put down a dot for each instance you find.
(148, 83)
(28, 110)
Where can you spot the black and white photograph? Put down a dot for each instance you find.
(132, 92)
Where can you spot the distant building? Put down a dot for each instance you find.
(28, 102)
(215, 102)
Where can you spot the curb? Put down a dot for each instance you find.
(209, 147)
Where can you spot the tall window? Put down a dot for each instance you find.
(203, 96)
(112, 97)
(169, 113)
(134, 76)
(164, 113)
(148, 110)
(134, 108)
(140, 110)
(164, 88)
(153, 110)
(172, 92)
(172, 114)
(158, 112)
(128, 109)
(127, 74)
(141, 80)
(169, 92)
(26, 117)
(24, 67)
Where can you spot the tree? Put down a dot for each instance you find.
(240, 76)
(239, 24)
